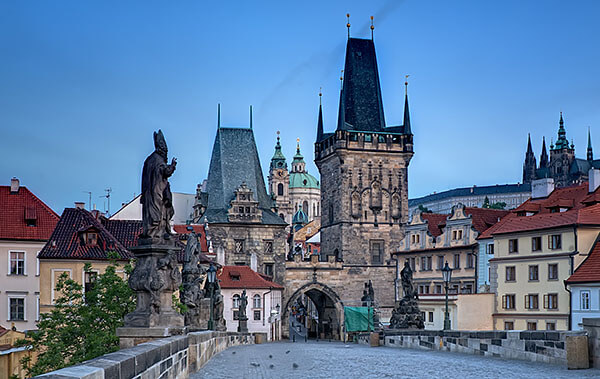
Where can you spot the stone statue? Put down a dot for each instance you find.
(193, 275)
(243, 305)
(156, 275)
(406, 313)
(219, 320)
(407, 282)
(156, 198)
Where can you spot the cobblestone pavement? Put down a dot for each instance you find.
(338, 360)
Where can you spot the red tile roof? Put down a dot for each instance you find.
(544, 218)
(67, 240)
(15, 208)
(482, 218)
(198, 229)
(589, 269)
(248, 278)
(435, 222)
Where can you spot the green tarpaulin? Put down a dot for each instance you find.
(358, 319)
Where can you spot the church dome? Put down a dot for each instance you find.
(303, 180)
(300, 217)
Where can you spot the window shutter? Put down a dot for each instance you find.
(504, 301)
(546, 302)
(550, 242)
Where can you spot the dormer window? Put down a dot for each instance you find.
(91, 238)
(30, 216)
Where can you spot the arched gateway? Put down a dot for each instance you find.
(329, 309)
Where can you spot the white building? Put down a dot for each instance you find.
(264, 300)
(26, 224)
(584, 285)
(183, 203)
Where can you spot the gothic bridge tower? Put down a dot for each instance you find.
(363, 166)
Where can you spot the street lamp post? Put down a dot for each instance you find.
(447, 275)
(211, 275)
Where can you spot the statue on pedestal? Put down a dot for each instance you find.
(406, 314)
(156, 275)
(243, 319)
(193, 275)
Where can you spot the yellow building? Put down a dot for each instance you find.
(430, 241)
(537, 247)
(82, 237)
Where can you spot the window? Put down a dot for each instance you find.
(553, 271)
(531, 301)
(381, 139)
(256, 301)
(239, 246)
(430, 316)
(438, 288)
(416, 238)
(236, 301)
(554, 241)
(268, 247)
(256, 315)
(468, 288)
(513, 246)
(585, 300)
(509, 325)
(424, 289)
(440, 264)
(534, 273)
(531, 325)
(550, 325)
(536, 243)
(240, 263)
(412, 263)
(90, 279)
(551, 301)
(91, 238)
(280, 189)
(470, 261)
(269, 269)
(490, 248)
(508, 301)
(425, 263)
(456, 261)
(368, 137)
(17, 263)
(376, 251)
(511, 274)
(236, 314)
(17, 308)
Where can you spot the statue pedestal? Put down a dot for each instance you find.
(197, 318)
(406, 315)
(154, 279)
(243, 325)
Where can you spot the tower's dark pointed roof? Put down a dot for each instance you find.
(235, 161)
(407, 129)
(544, 154)
(529, 148)
(320, 123)
(561, 142)
(361, 105)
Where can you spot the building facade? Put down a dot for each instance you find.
(561, 165)
(264, 300)
(536, 248)
(244, 228)
(26, 223)
(584, 285)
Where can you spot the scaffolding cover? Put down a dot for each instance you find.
(358, 319)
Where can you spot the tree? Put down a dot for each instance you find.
(498, 205)
(486, 203)
(82, 325)
(424, 209)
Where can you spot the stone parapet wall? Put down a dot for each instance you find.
(534, 346)
(592, 327)
(172, 357)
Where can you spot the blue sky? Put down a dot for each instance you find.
(84, 84)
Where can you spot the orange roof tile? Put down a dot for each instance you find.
(16, 208)
(589, 269)
(248, 278)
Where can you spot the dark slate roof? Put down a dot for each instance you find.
(66, 240)
(582, 166)
(235, 161)
(468, 191)
(361, 105)
(125, 231)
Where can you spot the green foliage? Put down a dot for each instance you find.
(424, 209)
(498, 205)
(82, 325)
(178, 305)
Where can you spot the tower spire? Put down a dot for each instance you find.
(529, 149)
(348, 24)
(251, 117)
(320, 119)
(219, 116)
(529, 165)
(544, 154)
(407, 129)
(372, 28)
(590, 152)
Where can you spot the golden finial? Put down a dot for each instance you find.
(348, 24)
(342, 79)
(298, 145)
(406, 84)
(320, 94)
(372, 28)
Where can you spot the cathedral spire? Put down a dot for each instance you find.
(590, 152)
(407, 129)
(530, 165)
(278, 159)
(561, 142)
(320, 120)
(219, 116)
(544, 154)
(251, 118)
(529, 149)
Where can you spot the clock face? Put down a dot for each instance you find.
(280, 173)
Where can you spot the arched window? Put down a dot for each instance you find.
(305, 207)
(256, 301)
(236, 301)
(280, 189)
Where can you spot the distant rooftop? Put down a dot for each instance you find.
(470, 191)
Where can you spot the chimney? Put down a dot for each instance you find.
(594, 179)
(79, 205)
(14, 185)
(96, 214)
(542, 188)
